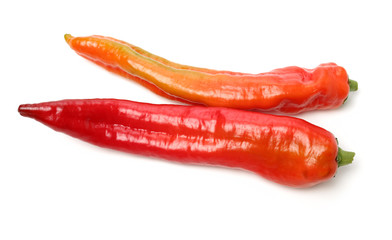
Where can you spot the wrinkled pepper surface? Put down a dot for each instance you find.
(283, 149)
(284, 90)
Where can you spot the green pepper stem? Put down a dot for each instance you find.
(344, 157)
(353, 85)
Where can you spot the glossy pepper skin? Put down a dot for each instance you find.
(285, 90)
(286, 150)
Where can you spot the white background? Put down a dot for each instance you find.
(53, 186)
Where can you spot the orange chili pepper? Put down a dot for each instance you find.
(286, 90)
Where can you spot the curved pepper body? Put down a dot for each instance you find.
(286, 150)
(286, 90)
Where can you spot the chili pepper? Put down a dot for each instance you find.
(286, 150)
(286, 90)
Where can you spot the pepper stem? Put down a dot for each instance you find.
(344, 157)
(353, 85)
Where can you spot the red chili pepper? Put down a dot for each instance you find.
(286, 90)
(286, 150)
